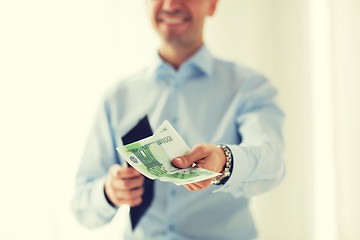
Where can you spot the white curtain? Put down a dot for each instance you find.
(58, 57)
(346, 77)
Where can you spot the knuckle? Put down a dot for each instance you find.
(116, 184)
(138, 182)
(135, 202)
(114, 169)
(205, 185)
(110, 194)
(126, 184)
(142, 180)
(138, 192)
(132, 203)
(118, 194)
(108, 182)
(132, 194)
(201, 148)
(112, 184)
(129, 194)
(115, 200)
(130, 172)
(187, 158)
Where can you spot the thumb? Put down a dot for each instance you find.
(187, 160)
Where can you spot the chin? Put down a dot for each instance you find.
(174, 38)
(175, 41)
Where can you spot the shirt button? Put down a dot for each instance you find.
(171, 227)
(173, 192)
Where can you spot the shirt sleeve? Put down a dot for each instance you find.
(258, 164)
(89, 203)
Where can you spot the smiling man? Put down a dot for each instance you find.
(225, 111)
(180, 26)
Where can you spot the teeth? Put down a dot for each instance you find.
(173, 20)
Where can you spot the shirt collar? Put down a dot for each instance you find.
(202, 60)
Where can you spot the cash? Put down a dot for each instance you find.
(152, 157)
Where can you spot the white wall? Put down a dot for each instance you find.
(26, 194)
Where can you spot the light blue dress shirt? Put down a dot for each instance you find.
(207, 100)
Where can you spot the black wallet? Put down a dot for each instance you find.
(140, 131)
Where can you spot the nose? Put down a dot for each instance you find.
(171, 5)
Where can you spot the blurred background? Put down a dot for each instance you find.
(57, 58)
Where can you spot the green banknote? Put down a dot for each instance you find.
(152, 157)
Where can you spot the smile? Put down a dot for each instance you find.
(172, 20)
(177, 17)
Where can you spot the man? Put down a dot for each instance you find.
(209, 102)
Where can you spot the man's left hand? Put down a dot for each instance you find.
(204, 156)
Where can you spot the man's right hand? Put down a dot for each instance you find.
(124, 185)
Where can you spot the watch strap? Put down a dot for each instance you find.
(226, 173)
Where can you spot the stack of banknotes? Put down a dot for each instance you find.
(152, 157)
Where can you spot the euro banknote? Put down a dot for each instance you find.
(152, 157)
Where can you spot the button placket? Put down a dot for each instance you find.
(172, 116)
(173, 102)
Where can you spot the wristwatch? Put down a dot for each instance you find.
(221, 179)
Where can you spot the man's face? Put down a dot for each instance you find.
(180, 22)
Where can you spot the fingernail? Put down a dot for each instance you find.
(179, 160)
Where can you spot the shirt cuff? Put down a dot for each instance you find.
(98, 195)
(242, 167)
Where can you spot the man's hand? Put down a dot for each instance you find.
(124, 185)
(205, 156)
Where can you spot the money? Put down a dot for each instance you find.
(152, 157)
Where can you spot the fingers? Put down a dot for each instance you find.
(205, 156)
(132, 199)
(129, 194)
(124, 186)
(131, 203)
(190, 188)
(128, 183)
(205, 183)
(128, 191)
(194, 187)
(120, 172)
(198, 186)
(199, 152)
